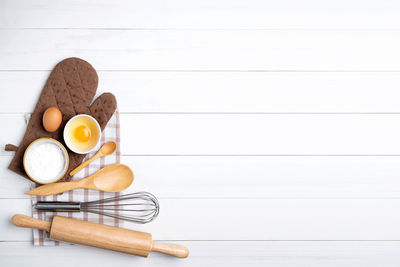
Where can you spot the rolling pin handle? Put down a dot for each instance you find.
(29, 222)
(170, 249)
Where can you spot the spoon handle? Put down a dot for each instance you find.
(84, 164)
(55, 188)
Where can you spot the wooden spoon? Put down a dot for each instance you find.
(113, 178)
(107, 149)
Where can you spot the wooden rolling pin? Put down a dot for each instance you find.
(100, 236)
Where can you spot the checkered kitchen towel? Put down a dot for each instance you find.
(110, 133)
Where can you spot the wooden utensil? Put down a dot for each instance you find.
(100, 236)
(107, 149)
(112, 178)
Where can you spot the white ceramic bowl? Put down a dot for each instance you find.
(28, 165)
(67, 137)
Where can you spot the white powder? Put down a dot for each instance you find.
(45, 161)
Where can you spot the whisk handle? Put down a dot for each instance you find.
(57, 206)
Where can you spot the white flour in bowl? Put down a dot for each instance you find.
(45, 161)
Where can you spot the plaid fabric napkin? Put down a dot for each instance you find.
(110, 133)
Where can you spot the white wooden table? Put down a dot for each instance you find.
(269, 130)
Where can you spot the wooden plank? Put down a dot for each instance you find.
(203, 14)
(267, 177)
(233, 50)
(260, 253)
(221, 92)
(10, 207)
(246, 134)
(12, 185)
(249, 177)
(260, 134)
(13, 132)
(252, 219)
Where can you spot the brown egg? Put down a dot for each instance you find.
(52, 118)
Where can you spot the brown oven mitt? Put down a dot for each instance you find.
(71, 87)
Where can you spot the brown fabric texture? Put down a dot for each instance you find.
(71, 87)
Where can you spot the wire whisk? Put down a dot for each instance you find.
(140, 207)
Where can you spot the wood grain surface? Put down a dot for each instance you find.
(268, 129)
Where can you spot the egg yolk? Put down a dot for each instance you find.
(82, 133)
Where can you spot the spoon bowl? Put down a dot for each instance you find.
(108, 148)
(107, 178)
(105, 150)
